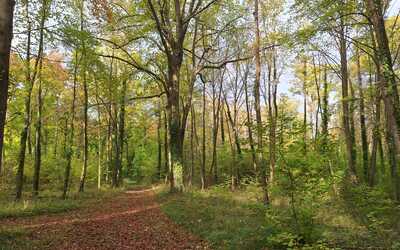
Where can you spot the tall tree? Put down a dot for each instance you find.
(38, 142)
(363, 127)
(85, 105)
(257, 105)
(6, 29)
(70, 132)
(347, 114)
(30, 79)
(388, 88)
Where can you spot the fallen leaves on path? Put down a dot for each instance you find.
(132, 220)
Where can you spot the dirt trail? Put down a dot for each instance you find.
(132, 220)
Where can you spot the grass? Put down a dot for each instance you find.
(48, 203)
(236, 220)
(225, 221)
(16, 239)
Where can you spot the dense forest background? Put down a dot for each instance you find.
(297, 101)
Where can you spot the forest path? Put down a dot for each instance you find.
(131, 220)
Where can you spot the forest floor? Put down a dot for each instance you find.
(129, 220)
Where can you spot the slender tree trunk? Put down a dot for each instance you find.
(234, 161)
(216, 118)
(305, 127)
(325, 112)
(363, 127)
(250, 123)
(260, 146)
(38, 142)
(221, 115)
(237, 150)
(99, 140)
(85, 111)
(203, 162)
(166, 148)
(6, 29)
(215, 124)
(350, 147)
(30, 80)
(159, 143)
(389, 89)
(192, 148)
(317, 87)
(99, 149)
(85, 134)
(29, 138)
(376, 134)
(109, 153)
(273, 115)
(69, 152)
(121, 132)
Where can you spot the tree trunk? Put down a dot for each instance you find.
(69, 150)
(6, 28)
(273, 115)
(216, 117)
(85, 111)
(250, 123)
(121, 134)
(363, 127)
(85, 134)
(325, 112)
(233, 163)
(260, 146)
(305, 127)
(389, 89)
(99, 149)
(317, 87)
(221, 115)
(159, 143)
(166, 148)
(235, 143)
(30, 80)
(192, 148)
(350, 147)
(203, 162)
(38, 142)
(376, 134)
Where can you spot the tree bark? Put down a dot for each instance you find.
(376, 134)
(120, 136)
(350, 147)
(388, 89)
(6, 28)
(363, 126)
(250, 123)
(305, 127)
(69, 150)
(85, 111)
(30, 81)
(260, 146)
(159, 143)
(325, 112)
(203, 162)
(38, 142)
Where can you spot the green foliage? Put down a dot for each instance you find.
(376, 211)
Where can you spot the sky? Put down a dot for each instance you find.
(394, 8)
